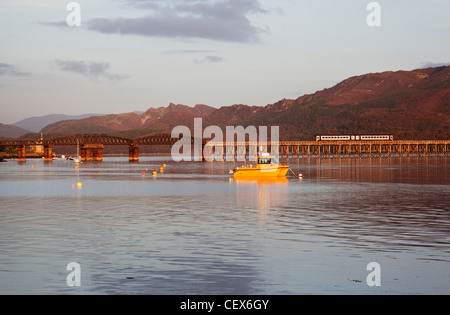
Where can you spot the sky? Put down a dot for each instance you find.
(131, 55)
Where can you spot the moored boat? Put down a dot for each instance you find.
(267, 167)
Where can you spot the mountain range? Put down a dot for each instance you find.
(407, 104)
(10, 131)
(36, 124)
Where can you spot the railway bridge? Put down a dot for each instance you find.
(91, 147)
(364, 148)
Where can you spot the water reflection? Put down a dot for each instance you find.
(267, 195)
(412, 170)
(196, 230)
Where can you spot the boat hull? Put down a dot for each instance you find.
(269, 172)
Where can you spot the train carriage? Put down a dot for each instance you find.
(355, 138)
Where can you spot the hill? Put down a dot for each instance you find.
(35, 124)
(132, 125)
(408, 104)
(10, 131)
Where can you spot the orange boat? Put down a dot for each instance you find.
(266, 167)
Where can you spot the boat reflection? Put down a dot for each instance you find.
(268, 195)
(262, 182)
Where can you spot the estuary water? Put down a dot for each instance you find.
(193, 229)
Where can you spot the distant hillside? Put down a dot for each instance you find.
(35, 124)
(408, 104)
(133, 124)
(10, 131)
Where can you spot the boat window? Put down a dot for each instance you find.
(264, 161)
(275, 161)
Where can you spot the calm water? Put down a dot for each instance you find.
(193, 230)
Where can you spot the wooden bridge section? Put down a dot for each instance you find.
(322, 149)
(364, 148)
(91, 147)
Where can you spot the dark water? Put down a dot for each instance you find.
(194, 230)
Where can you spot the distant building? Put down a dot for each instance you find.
(39, 148)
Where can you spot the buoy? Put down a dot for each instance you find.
(32, 166)
(76, 167)
(155, 173)
(79, 184)
(300, 175)
(164, 165)
(73, 186)
(143, 173)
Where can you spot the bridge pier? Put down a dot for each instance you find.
(133, 153)
(48, 153)
(241, 152)
(285, 151)
(92, 152)
(230, 152)
(22, 153)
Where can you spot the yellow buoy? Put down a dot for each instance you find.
(79, 184)
(164, 165)
(155, 173)
(76, 167)
(32, 166)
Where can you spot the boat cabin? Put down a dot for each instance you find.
(267, 161)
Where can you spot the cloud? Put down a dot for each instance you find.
(57, 24)
(11, 70)
(210, 59)
(89, 69)
(428, 64)
(220, 20)
(188, 51)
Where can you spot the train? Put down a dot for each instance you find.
(356, 138)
